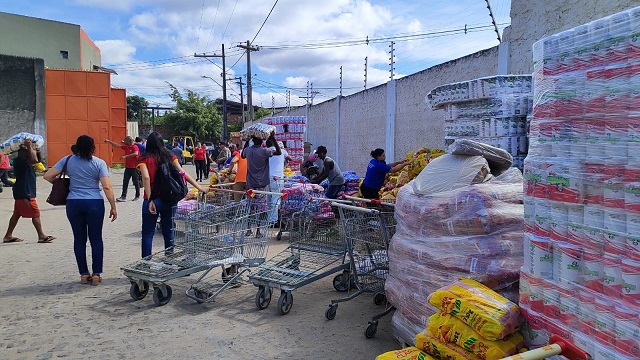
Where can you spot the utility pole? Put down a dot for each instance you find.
(273, 105)
(224, 91)
(239, 78)
(288, 101)
(393, 62)
(366, 58)
(340, 81)
(249, 49)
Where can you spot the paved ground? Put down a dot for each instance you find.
(46, 313)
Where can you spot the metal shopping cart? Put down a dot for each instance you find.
(368, 231)
(250, 244)
(210, 235)
(316, 250)
(298, 191)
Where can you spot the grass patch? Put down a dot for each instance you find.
(117, 166)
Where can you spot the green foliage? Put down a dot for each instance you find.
(234, 127)
(134, 103)
(260, 113)
(193, 115)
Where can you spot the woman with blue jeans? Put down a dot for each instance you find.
(85, 205)
(155, 154)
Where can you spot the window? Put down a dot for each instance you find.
(64, 54)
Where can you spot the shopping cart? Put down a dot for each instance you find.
(368, 231)
(206, 240)
(248, 244)
(298, 192)
(557, 346)
(316, 250)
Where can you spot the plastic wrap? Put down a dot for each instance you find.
(492, 110)
(449, 172)
(582, 180)
(259, 130)
(474, 232)
(499, 159)
(290, 132)
(13, 143)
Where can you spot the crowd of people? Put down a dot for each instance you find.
(256, 166)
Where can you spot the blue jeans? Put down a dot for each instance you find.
(86, 217)
(275, 186)
(149, 220)
(333, 190)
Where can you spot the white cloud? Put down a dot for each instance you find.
(116, 51)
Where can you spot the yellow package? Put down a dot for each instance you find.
(488, 313)
(449, 329)
(214, 179)
(441, 350)
(410, 353)
(39, 167)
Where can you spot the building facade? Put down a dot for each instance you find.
(60, 45)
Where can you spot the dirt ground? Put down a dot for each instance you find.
(46, 313)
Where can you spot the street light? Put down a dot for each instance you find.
(224, 107)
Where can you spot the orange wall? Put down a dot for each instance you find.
(78, 103)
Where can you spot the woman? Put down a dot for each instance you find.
(155, 155)
(85, 205)
(376, 171)
(4, 171)
(199, 158)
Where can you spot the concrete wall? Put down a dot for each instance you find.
(22, 98)
(533, 19)
(39, 38)
(89, 52)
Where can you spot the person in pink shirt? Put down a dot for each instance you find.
(4, 171)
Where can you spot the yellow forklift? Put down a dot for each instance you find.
(187, 144)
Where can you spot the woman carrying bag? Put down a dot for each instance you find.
(85, 204)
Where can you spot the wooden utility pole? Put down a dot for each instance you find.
(224, 91)
(249, 49)
(239, 78)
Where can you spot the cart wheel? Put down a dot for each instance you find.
(371, 330)
(160, 299)
(263, 297)
(339, 285)
(279, 236)
(330, 314)
(137, 293)
(379, 299)
(285, 302)
(200, 295)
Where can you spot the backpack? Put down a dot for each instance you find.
(169, 185)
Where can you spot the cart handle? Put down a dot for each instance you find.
(228, 191)
(276, 178)
(216, 186)
(337, 201)
(557, 346)
(355, 208)
(252, 193)
(370, 201)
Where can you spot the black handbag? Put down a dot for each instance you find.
(60, 188)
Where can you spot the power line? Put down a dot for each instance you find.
(212, 25)
(225, 29)
(200, 26)
(264, 22)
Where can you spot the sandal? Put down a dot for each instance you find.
(85, 279)
(49, 239)
(12, 240)
(96, 279)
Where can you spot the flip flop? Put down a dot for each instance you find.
(12, 240)
(46, 240)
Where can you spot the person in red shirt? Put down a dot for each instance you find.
(200, 159)
(156, 153)
(131, 154)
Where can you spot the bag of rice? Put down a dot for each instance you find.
(449, 329)
(410, 353)
(13, 143)
(491, 315)
(442, 350)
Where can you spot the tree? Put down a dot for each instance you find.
(194, 115)
(260, 113)
(134, 104)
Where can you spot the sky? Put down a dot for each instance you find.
(152, 42)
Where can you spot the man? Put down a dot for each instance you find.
(140, 144)
(24, 194)
(240, 183)
(276, 175)
(330, 171)
(131, 154)
(223, 155)
(258, 162)
(178, 152)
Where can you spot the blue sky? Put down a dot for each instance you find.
(151, 42)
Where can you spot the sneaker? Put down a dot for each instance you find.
(136, 198)
(121, 198)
